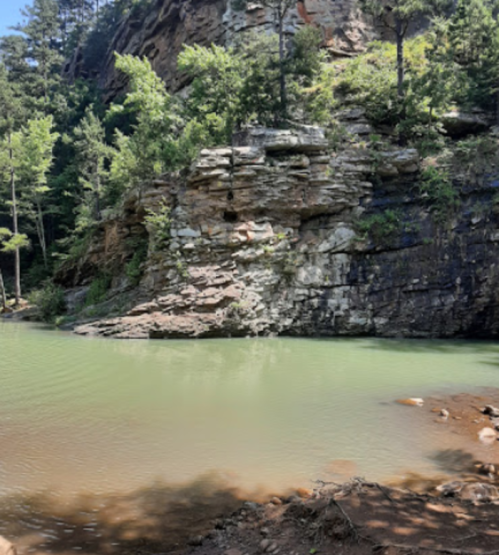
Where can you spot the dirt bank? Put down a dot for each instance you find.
(456, 512)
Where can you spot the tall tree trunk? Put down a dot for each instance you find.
(3, 296)
(40, 228)
(15, 223)
(98, 215)
(400, 58)
(282, 74)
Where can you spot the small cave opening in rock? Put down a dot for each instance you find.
(230, 196)
(230, 217)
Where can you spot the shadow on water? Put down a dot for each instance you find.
(453, 461)
(444, 346)
(156, 519)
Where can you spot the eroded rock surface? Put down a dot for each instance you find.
(169, 24)
(266, 239)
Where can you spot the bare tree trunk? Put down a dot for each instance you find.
(3, 296)
(98, 215)
(400, 58)
(15, 224)
(41, 232)
(282, 74)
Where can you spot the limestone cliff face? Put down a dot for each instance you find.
(168, 24)
(265, 240)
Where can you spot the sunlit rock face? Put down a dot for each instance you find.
(169, 24)
(269, 236)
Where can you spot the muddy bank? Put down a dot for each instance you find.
(357, 518)
(456, 512)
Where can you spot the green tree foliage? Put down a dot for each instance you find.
(57, 192)
(10, 243)
(216, 88)
(473, 36)
(280, 10)
(153, 148)
(92, 157)
(236, 86)
(396, 16)
(42, 35)
(33, 147)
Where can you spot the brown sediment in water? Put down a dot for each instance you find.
(208, 516)
(416, 514)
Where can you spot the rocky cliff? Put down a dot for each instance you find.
(169, 24)
(279, 236)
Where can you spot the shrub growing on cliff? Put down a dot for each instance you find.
(158, 224)
(381, 227)
(153, 148)
(436, 185)
(98, 289)
(236, 86)
(49, 301)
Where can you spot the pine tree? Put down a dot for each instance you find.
(280, 10)
(43, 39)
(474, 41)
(93, 155)
(396, 16)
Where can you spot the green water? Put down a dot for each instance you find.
(91, 415)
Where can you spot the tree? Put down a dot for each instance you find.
(280, 9)
(43, 39)
(396, 16)
(11, 115)
(33, 146)
(92, 155)
(152, 149)
(214, 99)
(473, 34)
(10, 242)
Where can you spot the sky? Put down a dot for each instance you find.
(10, 13)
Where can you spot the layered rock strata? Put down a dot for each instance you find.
(167, 25)
(273, 238)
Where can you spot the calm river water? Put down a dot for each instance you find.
(95, 420)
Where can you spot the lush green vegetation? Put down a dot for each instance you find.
(66, 159)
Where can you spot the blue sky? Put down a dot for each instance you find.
(10, 13)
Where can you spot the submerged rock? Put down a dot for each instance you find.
(412, 402)
(487, 435)
(6, 547)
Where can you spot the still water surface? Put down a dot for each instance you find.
(81, 416)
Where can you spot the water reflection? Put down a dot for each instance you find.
(102, 421)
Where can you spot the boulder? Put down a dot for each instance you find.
(305, 139)
(6, 547)
(459, 124)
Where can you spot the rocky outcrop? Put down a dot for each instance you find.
(169, 24)
(272, 237)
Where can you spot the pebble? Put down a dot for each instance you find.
(196, 540)
(491, 410)
(276, 501)
(304, 493)
(487, 435)
(265, 544)
(486, 469)
(264, 531)
(444, 413)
